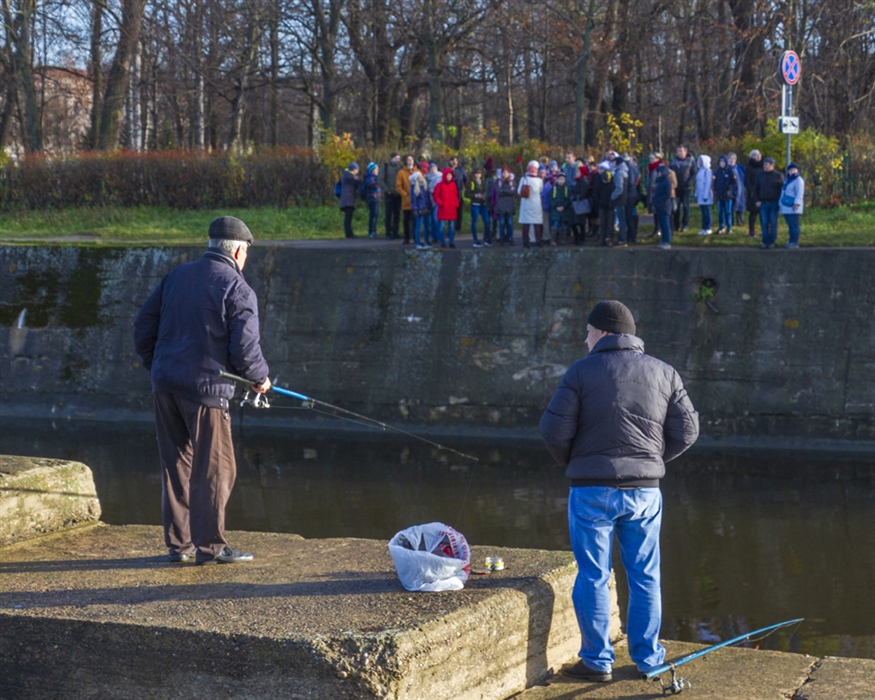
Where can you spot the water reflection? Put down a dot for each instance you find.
(749, 538)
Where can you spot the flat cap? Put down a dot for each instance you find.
(230, 229)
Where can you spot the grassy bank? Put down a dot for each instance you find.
(842, 226)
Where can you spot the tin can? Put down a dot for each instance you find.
(494, 564)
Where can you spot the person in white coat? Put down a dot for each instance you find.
(531, 212)
(705, 193)
(792, 203)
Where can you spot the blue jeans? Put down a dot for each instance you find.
(505, 222)
(451, 233)
(724, 213)
(793, 226)
(373, 216)
(421, 224)
(479, 211)
(664, 226)
(620, 215)
(769, 222)
(595, 513)
(706, 216)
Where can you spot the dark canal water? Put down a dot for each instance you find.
(749, 538)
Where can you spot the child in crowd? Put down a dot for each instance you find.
(420, 200)
(475, 195)
(505, 205)
(561, 212)
(446, 196)
(705, 193)
(726, 193)
(373, 195)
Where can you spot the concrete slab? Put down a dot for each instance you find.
(730, 673)
(834, 677)
(99, 613)
(44, 495)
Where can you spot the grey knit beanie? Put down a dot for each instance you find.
(230, 229)
(612, 317)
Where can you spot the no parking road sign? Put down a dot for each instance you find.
(791, 67)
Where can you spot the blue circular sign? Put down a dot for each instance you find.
(791, 67)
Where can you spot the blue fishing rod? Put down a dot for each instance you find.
(260, 401)
(677, 683)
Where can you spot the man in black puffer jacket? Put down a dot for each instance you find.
(617, 417)
(201, 318)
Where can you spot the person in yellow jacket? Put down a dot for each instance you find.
(402, 187)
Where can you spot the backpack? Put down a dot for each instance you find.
(337, 189)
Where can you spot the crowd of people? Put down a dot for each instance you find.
(566, 204)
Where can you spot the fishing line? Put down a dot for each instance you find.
(342, 413)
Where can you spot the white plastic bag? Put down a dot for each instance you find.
(432, 557)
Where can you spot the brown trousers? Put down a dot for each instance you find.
(197, 473)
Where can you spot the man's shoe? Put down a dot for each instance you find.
(582, 672)
(478, 245)
(663, 246)
(181, 557)
(620, 244)
(227, 556)
(792, 246)
(767, 246)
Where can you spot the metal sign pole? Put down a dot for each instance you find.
(788, 112)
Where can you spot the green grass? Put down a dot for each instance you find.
(165, 226)
(842, 226)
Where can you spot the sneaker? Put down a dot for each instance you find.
(181, 557)
(487, 244)
(227, 556)
(582, 672)
(792, 246)
(423, 247)
(663, 246)
(752, 234)
(478, 245)
(707, 232)
(728, 232)
(767, 246)
(702, 232)
(372, 235)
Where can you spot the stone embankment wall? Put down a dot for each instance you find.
(769, 344)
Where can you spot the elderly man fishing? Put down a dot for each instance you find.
(203, 317)
(617, 417)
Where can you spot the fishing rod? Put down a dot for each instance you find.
(677, 683)
(260, 401)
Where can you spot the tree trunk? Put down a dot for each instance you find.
(96, 70)
(119, 74)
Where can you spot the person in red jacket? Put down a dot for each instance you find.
(446, 196)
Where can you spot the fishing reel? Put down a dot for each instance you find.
(675, 686)
(254, 399)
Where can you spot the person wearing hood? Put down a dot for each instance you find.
(349, 187)
(793, 203)
(392, 200)
(619, 198)
(725, 192)
(684, 167)
(662, 203)
(433, 178)
(531, 214)
(446, 197)
(754, 168)
(373, 195)
(705, 192)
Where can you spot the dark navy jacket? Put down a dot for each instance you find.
(202, 317)
(618, 416)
